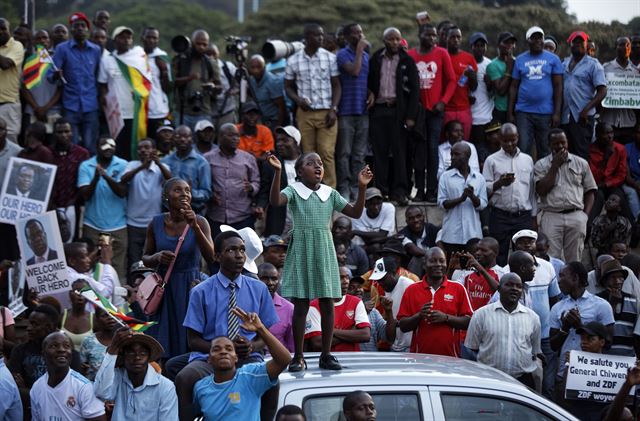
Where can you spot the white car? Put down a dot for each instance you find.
(416, 387)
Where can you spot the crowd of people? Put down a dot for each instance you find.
(272, 220)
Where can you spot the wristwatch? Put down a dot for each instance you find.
(334, 108)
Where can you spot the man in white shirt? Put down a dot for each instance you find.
(62, 393)
(377, 222)
(482, 103)
(506, 334)
(393, 285)
(511, 190)
(111, 79)
(160, 79)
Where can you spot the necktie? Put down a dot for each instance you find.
(233, 322)
(40, 259)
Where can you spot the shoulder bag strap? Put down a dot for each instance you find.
(180, 241)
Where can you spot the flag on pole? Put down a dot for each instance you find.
(141, 87)
(35, 67)
(99, 301)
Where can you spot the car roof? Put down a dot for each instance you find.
(390, 368)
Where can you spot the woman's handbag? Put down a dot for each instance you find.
(151, 290)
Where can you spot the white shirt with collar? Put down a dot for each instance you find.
(506, 341)
(521, 194)
(444, 157)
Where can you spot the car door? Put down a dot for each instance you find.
(393, 403)
(452, 403)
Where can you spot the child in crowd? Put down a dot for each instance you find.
(311, 268)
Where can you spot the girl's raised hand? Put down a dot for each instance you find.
(365, 176)
(274, 161)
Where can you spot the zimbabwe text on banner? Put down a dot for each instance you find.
(623, 91)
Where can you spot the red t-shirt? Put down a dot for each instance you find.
(437, 79)
(436, 338)
(460, 99)
(478, 288)
(349, 313)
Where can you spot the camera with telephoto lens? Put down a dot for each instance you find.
(238, 47)
(274, 50)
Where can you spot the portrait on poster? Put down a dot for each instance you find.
(42, 255)
(26, 189)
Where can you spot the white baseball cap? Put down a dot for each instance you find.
(534, 30)
(379, 270)
(291, 132)
(203, 124)
(252, 244)
(524, 234)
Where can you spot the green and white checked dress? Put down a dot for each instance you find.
(311, 267)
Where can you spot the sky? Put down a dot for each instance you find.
(604, 10)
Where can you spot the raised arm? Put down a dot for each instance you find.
(279, 353)
(355, 210)
(275, 197)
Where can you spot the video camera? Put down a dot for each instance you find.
(238, 47)
(274, 50)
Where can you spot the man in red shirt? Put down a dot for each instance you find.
(437, 84)
(435, 309)
(350, 326)
(608, 164)
(484, 278)
(465, 68)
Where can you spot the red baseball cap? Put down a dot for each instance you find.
(577, 34)
(79, 16)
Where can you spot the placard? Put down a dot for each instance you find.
(43, 256)
(623, 91)
(17, 284)
(596, 377)
(26, 189)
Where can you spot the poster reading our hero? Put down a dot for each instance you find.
(43, 257)
(26, 189)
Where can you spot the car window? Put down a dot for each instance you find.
(459, 407)
(389, 406)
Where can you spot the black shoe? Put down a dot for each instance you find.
(328, 362)
(297, 364)
(400, 200)
(431, 197)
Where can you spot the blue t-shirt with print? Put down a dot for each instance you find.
(535, 94)
(236, 399)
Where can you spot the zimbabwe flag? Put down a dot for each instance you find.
(141, 87)
(99, 301)
(35, 67)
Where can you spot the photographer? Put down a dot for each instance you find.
(227, 102)
(197, 80)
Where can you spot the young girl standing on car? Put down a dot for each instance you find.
(311, 268)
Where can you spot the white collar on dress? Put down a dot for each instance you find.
(304, 192)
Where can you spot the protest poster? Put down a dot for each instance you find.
(17, 283)
(42, 256)
(26, 189)
(623, 91)
(596, 377)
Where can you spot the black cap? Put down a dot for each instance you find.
(503, 36)
(274, 240)
(593, 329)
(249, 106)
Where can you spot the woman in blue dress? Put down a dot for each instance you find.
(163, 234)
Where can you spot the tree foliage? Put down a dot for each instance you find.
(284, 19)
(171, 17)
